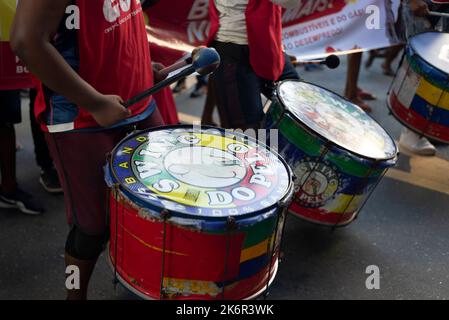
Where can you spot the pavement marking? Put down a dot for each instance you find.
(187, 118)
(426, 172)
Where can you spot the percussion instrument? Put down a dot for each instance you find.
(338, 153)
(196, 213)
(419, 95)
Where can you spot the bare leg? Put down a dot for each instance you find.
(351, 91)
(392, 53)
(86, 268)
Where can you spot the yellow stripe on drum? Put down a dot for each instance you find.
(429, 92)
(444, 103)
(254, 251)
(344, 203)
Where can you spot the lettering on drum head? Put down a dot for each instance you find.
(316, 183)
(208, 173)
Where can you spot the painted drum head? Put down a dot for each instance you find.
(337, 120)
(433, 47)
(200, 173)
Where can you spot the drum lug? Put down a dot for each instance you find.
(165, 215)
(231, 223)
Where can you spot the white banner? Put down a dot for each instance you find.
(317, 28)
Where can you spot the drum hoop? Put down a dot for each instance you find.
(410, 46)
(143, 296)
(330, 142)
(286, 197)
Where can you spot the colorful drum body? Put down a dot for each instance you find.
(419, 96)
(337, 152)
(196, 214)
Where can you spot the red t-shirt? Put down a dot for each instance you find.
(112, 54)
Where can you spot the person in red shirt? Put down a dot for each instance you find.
(89, 60)
(248, 36)
(13, 78)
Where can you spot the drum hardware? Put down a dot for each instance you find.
(439, 14)
(271, 248)
(115, 189)
(230, 227)
(164, 216)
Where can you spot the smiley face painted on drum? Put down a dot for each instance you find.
(205, 167)
(201, 173)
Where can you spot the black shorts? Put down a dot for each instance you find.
(10, 107)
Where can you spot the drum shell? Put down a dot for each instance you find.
(199, 255)
(352, 177)
(419, 97)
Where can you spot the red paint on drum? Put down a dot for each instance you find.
(321, 216)
(417, 122)
(191, 255)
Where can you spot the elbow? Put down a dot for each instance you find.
(18, 43)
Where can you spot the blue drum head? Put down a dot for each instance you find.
(336, 120)
(433, 47)
(200, 173)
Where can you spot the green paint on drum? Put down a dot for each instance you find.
(314, 147)
(254, 234)
(260, 232)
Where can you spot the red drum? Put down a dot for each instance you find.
(419, 97)
(196, 214)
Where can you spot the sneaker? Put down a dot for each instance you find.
(198, 92)
(50, 181)
(180, 86)
(20, 200)
(416, 144)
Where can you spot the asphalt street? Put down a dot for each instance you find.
(403, 229)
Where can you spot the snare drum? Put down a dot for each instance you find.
(196, 214)
(337, 152)
(419, 96)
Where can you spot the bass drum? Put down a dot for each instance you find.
(337, 152)
(419, 96)
(196, 214)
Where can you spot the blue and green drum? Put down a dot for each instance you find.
(337, 152)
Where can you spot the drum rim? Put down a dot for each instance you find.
(410, 45)
(144, 296)
(286, 196)
(384, 159)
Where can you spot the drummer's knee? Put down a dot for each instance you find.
(82, 246)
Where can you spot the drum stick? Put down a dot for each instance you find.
(159, 86)
(332, 62)
(439, 14)
(176, 66)
(205, 61)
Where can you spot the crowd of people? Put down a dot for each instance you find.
(72, 117)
